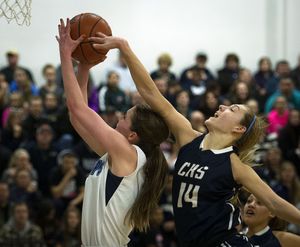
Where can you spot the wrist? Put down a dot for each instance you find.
(122, 44)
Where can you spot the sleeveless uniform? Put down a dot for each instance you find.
(265, 238)
(203, 185)
(107, 199)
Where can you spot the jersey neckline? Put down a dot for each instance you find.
(216, 151)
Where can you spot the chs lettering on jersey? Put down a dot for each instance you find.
(203, 187)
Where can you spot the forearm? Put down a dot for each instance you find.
(142, 79)
(83, 78)
(73, 93)
(286, 211)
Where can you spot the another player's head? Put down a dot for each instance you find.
(257, 216)
(241, 125)
(145, 128)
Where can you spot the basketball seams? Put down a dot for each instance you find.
(80, 45)
(91, 43)
(88, 24)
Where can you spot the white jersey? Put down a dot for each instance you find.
(103, 224)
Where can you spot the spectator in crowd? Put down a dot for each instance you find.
(270, 170)
(197, 121)
(43, 155)
(188, 74)
(50, 85)
(289, 139)
(111, 95)
(23, 84)
(164, 62)
(51, 109)
(278, 117)
(253, 105)
(19, 231)
(282, 70)
(120, 67)
(239, 93)
(183, 103)
(13, 134)
(51, 226)
(155, 236)
(87, 157)
(71, 234)
(34, 117)
(19, 160)
(67, 181)
(288, 186)
(12, 64)
(286, 89)
(261, 77)
(229, 74)
(25, 189)
(15, 102)
(5, 204)
(209, 104)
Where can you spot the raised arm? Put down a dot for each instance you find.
(247, 177)
(178, 124)
(101, 137)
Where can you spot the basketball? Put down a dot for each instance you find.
(88, 24)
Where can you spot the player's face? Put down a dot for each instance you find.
(124, 123)
(255, 213)
(227, 118)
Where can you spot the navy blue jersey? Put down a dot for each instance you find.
(265, 239)
(203, 185)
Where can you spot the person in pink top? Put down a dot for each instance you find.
(279, 115)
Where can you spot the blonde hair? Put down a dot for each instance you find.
(247, 144)
(165, 57)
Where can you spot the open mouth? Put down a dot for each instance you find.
(249, 212)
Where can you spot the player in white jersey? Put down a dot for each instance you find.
(127, 181)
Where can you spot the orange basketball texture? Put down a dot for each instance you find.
(88, 24)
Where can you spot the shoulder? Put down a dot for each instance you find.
(239, 169)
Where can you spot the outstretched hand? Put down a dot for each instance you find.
(66, 44)
(104, 42)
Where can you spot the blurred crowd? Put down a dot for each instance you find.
(44, 163)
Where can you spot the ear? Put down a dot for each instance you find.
(239, 129)
(133, 137)
(271, 215)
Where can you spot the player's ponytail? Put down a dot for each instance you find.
(151, 130)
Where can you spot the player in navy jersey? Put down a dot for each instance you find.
(127, 181)
(260, 221)
(210, 168)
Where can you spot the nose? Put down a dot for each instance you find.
(222, 107)
(251, 204)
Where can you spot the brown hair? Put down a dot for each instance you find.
(247, 143)
(152, 130)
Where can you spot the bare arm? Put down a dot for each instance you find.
(82, 77)
(177, 123)
(247, 177)
(123, 155)
(287, 239)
